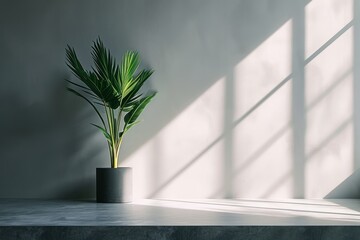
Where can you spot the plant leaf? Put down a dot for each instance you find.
(131, 117)
(106, 67)
(106, 134)
(107, 92)
(103, 89)
(82, 96)
(135, 84)
(128, 126)
(78, 85)
(129, 64)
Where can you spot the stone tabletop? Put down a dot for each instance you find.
(161, 212)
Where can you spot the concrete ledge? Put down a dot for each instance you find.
(204, 219)
(181, 232)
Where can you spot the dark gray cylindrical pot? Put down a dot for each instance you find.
(114, 185)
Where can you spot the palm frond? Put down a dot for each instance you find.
(106, 91)
(102, 89)
(78, 85)
(137, 83)
(86, 99)
(74, 64)
(106, 134)
(129, 65)
(106, 68)
(132, 116)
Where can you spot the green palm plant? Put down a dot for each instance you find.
(114, 88)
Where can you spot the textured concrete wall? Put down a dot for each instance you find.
(256, 98)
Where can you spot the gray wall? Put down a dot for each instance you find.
(49, 150)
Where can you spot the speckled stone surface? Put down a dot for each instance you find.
(180, 219)
(182, 232)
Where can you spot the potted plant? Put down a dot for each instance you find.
(113, 91)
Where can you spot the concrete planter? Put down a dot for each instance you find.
(114, 185)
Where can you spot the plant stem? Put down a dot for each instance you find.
(115, 156)
(119, 138)
(110, 155)
(119, 116)
(114, 138)
(110, 119)
(119, 145)
(109, 127)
